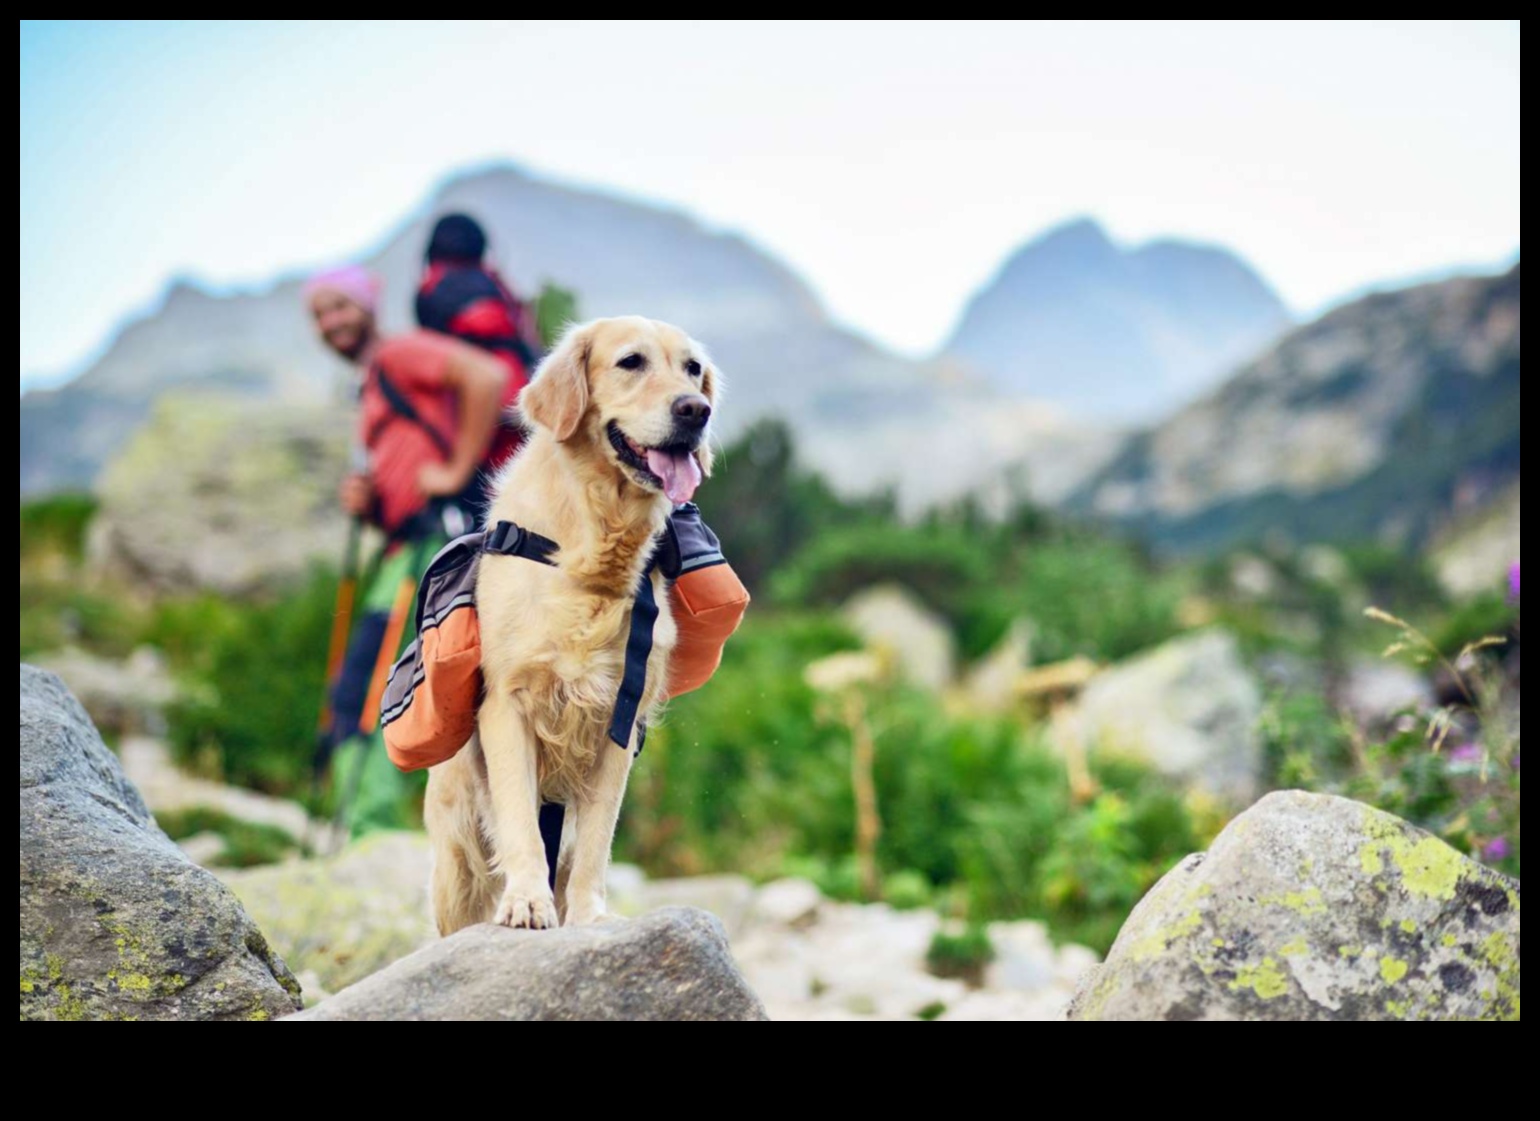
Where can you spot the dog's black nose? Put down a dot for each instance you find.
(692, 410)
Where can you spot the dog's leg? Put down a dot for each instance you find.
(514, 783)
(564, 862)
(597, 813)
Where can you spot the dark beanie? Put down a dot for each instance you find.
(457, 237)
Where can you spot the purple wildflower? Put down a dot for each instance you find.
(1498, 851)
(1468, 753)
(1513, 582)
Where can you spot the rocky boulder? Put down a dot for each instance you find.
(1190, 709)
(224, 494)
(116, 923)
(669, 965)
(1316, 908)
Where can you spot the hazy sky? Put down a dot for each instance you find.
(893, 164)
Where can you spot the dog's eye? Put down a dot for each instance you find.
(632, 362)
(692, 368)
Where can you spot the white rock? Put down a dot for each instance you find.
(625, 884)
(788, 903)
(1051, 1006)
(167, 789)
(1025, 960)
(203, 848)
(818, 1012)
(992, 682)
(729, 898)
(125, 698)
(1073, 964)
(1190, 708)
(1377, 689)
(1473, 557)
(778, 965)
(892, 619)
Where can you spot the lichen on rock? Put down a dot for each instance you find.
(116, 923)
(1316, 908)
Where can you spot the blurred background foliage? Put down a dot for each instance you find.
(752, 775)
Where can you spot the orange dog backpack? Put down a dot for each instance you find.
(434, 692)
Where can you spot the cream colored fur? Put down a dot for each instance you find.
(553, 639)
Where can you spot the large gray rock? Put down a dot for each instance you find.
(116, 923)
(226, 494)
(669, 965)
(1317, 908)
(1190, 708)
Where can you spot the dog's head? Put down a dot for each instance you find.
(635, 394)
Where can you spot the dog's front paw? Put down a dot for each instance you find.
(589, 917)
(535, 910)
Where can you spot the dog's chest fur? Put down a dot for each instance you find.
(566, 675)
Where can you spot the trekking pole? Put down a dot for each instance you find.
(390, 646)
(337, 648)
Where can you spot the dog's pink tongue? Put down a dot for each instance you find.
(678, 470)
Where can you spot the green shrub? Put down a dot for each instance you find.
(556, 309)
(59, 606)
(767, 509)
(56, 525)
(960, 955)
(1454, 771)
(1096, 597)
(751, 775)
(64, 613)
(256, 673)
(939, 564)
(246, 844)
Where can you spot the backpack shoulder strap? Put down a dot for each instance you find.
(402, 406)
(687, 544)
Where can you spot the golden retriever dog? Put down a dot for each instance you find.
(620, 415)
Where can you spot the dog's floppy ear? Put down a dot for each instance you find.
(711, 388)
(558, 397)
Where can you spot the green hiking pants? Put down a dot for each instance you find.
(378, 796)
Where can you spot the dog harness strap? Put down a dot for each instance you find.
(644, 614)
(508, 540)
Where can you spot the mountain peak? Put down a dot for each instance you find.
(1116, 333)
(1081, 232)
(1078, 241)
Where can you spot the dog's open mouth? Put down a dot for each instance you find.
(674, 469)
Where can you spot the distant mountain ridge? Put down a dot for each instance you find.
(781, 351)
(866, 417)
(1120, 335)
(1391, 417)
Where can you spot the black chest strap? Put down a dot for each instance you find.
(509, 540)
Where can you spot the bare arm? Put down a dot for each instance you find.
(477, 379)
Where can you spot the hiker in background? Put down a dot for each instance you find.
(430, 412)
(461, 295)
